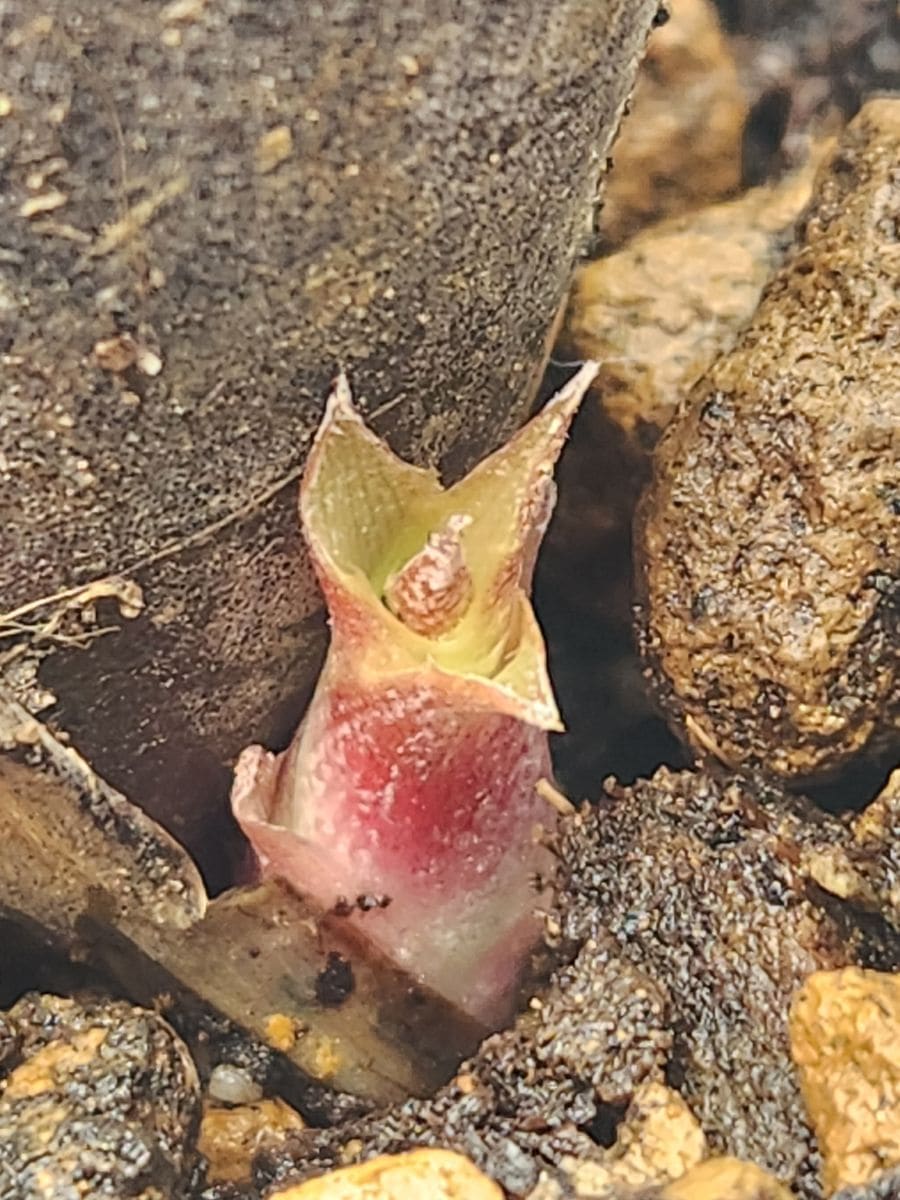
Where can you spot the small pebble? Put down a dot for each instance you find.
(273, 148)
(233, 1085)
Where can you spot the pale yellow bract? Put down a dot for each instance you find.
(365, 513)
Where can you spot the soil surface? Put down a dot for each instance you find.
(692, 924)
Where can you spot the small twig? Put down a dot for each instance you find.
(42, 602)
(705, 740)
(125, 591)
(554, 797)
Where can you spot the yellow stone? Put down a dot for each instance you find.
(273, 148)
(281, 1031)
(657, 313)
(230, 1137)
(845, 1039)
(418, 1175)
(726, 1179)
(659, 1139)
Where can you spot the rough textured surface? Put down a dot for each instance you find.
(886, 1186)
(659, 1139)
(845, 1038)
(230, 1137)
(680, 144)
(721, 1178)
(10, 1044)
(705, 899)
(726, 1179)
(861, 864)
(104, 1104)
(437, 1174)
(254, 195)
(534, 1093)
(769, 541)
(694, 929)
(657, 313)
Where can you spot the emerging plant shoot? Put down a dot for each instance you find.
(412, 777)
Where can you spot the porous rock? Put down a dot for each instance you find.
(769, 540)
(657, 313)
(437, 1174)
(658, 1139)
(692, 880)
(726, 1179)
(845, 1038)
(104, 1103)
(860, 862)
(680, 145)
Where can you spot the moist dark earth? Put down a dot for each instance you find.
(689, 923)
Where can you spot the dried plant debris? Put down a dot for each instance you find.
(693, 928)
(769, 544)
(845, 1038)
(104, 1102)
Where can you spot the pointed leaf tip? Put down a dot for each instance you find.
(339, 407)
(572, 392)
(341, 391)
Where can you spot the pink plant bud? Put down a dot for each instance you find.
(412, 777)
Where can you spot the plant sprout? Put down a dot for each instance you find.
(409, 790)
